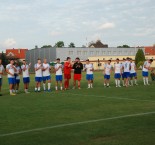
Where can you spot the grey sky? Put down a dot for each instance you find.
(26, 23)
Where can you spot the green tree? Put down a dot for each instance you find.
(4, 59)
(60, 44)
(140, 57)
(71, 45)
(46, 46)
(123, 46)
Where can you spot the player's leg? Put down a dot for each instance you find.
(116, 80)
(79, 84)
(61, 87)
(39, 85)
(135, 78)
(49, 83)
(44, 83)
(17, 86)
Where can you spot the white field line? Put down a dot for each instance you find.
(75, 123)
(120, 98)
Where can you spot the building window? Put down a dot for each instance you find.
(78, 52)
(114, 52)
(70, 52)
(109, 52)
(103, 53)
(84, 52)
(97, 52)
(91, 52)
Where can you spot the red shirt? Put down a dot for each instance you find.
(67, 68)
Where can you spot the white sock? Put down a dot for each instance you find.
(61, 88)
(10, 91)
(91, 85)
(132, 82)
(119, 82)
(16, 91)
(35, 89)
(144, 81)
(107, 84)
(38, 88)
(135, 81)
(25, 90)
(56, 88)
(116, 81)
(44, 86)
(147, 80)
(123, 82)
(88, 85)
(13, 91)
(49, 86)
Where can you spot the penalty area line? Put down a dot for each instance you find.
(75, 123)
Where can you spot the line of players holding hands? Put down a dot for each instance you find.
(125, 70)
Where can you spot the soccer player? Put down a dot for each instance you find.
(127, 68)
(145, 73)
(89, 73)
(46, 75)
(118, 72)
(67, 72)
(123, 78)
(107, 71)
(1, 73)
(78, 67)
(26, 76)
(133, 73)
(17, 77)
(11, 69)
(38, 75)
(58, 77)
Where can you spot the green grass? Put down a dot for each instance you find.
(39, 110)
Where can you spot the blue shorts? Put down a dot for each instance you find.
(117, 76)
(145, 74)
(26, 80)
(46, 78)
(17, 81)
(11, 81)
(58, 78)
(89, 77)
(126, 74)
(133, 75)
(123, 75)
(0, 81)
(107, 77)
(38, 79)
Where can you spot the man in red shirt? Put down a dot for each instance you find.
(67, 72)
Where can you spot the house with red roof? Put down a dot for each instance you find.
(16, 53)
(149, 50)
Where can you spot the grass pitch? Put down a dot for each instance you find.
(97, 116)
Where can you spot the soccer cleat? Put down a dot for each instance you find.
(79, 88)
(119, 86)
(27, 92)
(136, 84)
(148, 84)
(73, 88)
(49, 90)
(116, 86)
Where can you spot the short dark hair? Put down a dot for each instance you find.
(68, 58)
(117, 59)
(87, 59)
(38, 59)
(109, 60)
(78, 58)
(58, 59)
(151, 60)
(124, 59)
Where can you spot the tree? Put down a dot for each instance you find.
(123, 46)
(4, 59)
(140, 57)
(60, 44)
(71, 45)
(46, 46)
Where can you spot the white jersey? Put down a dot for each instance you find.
(108, 68)
(59, 71)
(146, 64)
(38, 73)
(1, 70)
(88, 68)
(17, 72)
(26, 71)
(126, 66)
(47, 71)
(132, 67)
(11, 70)
(118, 68)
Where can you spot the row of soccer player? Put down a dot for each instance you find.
(126, 70)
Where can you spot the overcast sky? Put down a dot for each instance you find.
(26, 23)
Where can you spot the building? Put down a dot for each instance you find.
(97, 44)
(149, 50)
(16, 53)
(83, 53)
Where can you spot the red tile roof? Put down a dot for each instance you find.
(149, 50)
(18, 53)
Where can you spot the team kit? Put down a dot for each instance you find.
(125, 71)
